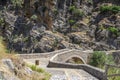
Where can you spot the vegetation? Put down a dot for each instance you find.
(113, 9)
(40, 70)
(75, 11)
(34, 17)
(2, 22)
(35, 68)
(114, 71)
(55, 11)
(2, 48)
(4, 51)
(17, 2)
(71, 21)
(114, 30)
(98, 59)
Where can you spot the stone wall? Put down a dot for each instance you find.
(100, 74)
(40, 55)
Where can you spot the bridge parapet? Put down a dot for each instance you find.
(41, 55)
(60, 55)
(63, 57)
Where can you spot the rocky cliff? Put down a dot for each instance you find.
(34, 26)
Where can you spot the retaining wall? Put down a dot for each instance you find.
(99, 73)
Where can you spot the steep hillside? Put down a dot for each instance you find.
(14, 68)
(47, 25)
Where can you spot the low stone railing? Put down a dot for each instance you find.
(40, 55)
(98, 73)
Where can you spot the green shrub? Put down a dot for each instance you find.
(2, 22)
(72, 8)
(71, 21)
(113, 9)
(34, 17)
(98, 59)
(76, 12)
(17, 2)
(55, 11)
(114, 30)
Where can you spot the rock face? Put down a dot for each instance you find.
(17, 69)
(47, 25)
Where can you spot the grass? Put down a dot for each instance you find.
(35, 68)
(114, 71)
(2, 48)
(40, 70)
(4, 52)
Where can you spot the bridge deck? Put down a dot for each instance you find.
(63, 73)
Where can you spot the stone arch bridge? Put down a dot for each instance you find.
(60, 55)
(54, 62)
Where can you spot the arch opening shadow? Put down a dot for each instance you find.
(75, 60)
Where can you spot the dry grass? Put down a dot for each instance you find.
(3, 50)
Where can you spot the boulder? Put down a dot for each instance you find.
(9, 64)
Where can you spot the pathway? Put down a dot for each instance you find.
(62, 73)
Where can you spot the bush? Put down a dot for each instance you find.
(113, 9)
(78, 12)
(55, 11)
(2, 22)
(114, 30)
(34, 17)
(98, 59)
(71, 21)
(17, 2)
(75, 11)
(72, 8)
